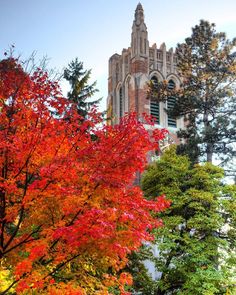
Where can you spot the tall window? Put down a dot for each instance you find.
(154, 105)
(126, 96)
(141, 45)
(159, 55)
(170, 104)
(117, 73)
(121, 102)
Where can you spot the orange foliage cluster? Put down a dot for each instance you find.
(69, 213)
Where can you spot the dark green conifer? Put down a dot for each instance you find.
(206, 63)
(81, 92)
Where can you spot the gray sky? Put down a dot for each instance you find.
(93, 30)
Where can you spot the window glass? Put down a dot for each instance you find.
(154, 105)
(170, 104)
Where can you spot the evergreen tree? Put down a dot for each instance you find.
(206, 98)
(197, 242)
(142, 280)
(81, 91)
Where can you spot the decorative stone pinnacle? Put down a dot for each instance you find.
(139, 16)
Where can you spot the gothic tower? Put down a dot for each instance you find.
(130, 71)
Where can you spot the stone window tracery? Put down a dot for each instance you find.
(170, 104)
(154, 105)
(121, 102)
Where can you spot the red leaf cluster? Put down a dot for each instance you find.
(68, 203)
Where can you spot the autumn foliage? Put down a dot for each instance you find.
(69, 212)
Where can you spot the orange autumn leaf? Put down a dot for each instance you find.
(68, 204)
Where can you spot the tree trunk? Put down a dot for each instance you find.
(209, 152)
(209, 145)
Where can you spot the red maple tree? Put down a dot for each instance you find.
(69, 212)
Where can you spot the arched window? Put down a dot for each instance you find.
(154, 105)
(126, 95)
(170, 104)
(121, 102)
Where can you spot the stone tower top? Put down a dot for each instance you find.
(131, 71)
(139, 38)
(139, 16)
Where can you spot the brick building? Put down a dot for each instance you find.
(130, 71)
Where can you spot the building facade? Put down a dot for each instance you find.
(129, 75)
(130, 72)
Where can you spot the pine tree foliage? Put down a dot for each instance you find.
(81, 91)
(142, 280)
(197, 242)
(206, 63)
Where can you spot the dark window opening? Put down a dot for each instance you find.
(170, 104)
(121, 102)
(154, 105)
(159, 55)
